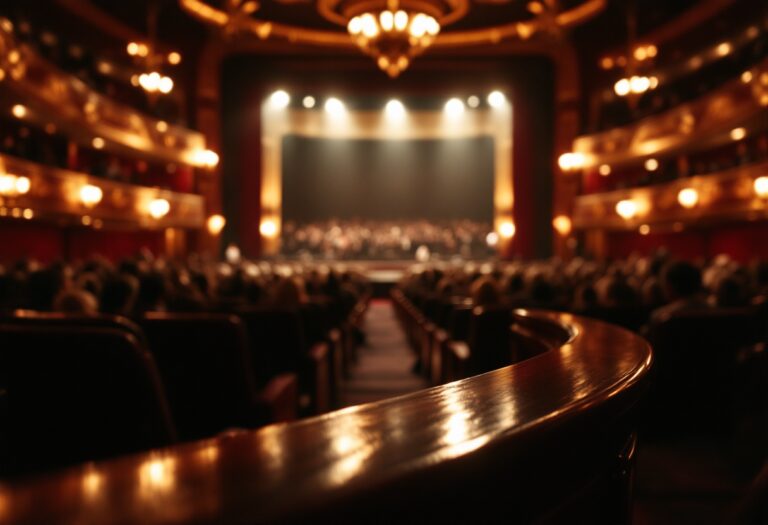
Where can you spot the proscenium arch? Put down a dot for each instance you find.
(355, 125)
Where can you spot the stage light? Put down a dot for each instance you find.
(651, 164)
(604, 170)
(738, 133)
(216, 223)
(334, 107)
(688, 197)
(268, 228)
(22, 185)
(507, 229)
(562, 225)
(280, 99)
(90, 195)
(473, 102)
(622, 87)
(496, 99)
(626, 209)
(454, 107)
(395, 110)
(159, 208)
(19, 111)
(165, 85)
(308, 102)
(761, 187)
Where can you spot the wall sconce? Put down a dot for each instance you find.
(562, 225)
(216, 223)
(507, 229)
(571, 161)
(268, 228)
(688, 198)
(761, 187)
(12, 185)
(90, 195)
(626, 209)
(206, 158)
(159, 208)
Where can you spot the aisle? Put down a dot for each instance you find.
(384, 363)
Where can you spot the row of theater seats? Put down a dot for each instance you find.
(79, 388)
(710, 366)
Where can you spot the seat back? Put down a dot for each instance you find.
(205, 366)
(77, 393)
(276, 340)
(489, 338)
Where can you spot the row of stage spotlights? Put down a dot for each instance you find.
(455, 106)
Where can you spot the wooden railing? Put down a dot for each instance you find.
(729, 195)
(54, 195)
(52, 96)
(705, 122)
(547, 438)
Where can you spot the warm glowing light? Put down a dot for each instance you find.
(473, 102)
(19, 111)
(279, 99)
(7, 184)
(334, 107)
(161, 126)
(746, 77)
(622, 87)
(22, 185)
(626, 209)
(571, 161)
(738, 133)
(644, 229)
(166, 85)
(268, 228)
(216, 223)
(562, 225)
(394, 110)
(507, 229)
(492, 239)
(761, 187)
(606, 63)
(132, 48)
(206, 158)
(28, 214)
(496, 99)
(232, 254)
(97, 142)
(724, 49)
(604, 170)
(308, 102)
(159, 208)
(454, 107)
(651, 165)
(174, 58)
(688, 197)
(90, 195)
(154, 82)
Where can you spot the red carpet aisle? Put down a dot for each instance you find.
(384, 363)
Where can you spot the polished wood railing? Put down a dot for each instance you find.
(51, 96)
(56, 195)
(704, 122)
(728, 195)
(525, 442)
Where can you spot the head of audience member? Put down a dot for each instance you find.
(681, 280)
(541, 292)
(619, 293)
(485, 292)
(652, 293)
(76, 301)
(288, 294)
(153, 287)
(729, 292)
(43, 286)
(585, 298)
(119, 295)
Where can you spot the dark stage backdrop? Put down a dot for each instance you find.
(387, 179)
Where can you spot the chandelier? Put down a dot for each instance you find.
(393, 32)
(393, 38)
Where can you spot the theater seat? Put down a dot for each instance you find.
(77, 393)
(204, 362)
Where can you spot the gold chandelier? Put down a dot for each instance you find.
(393, 37)
(393, 32)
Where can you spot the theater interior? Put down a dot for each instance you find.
(384, 261)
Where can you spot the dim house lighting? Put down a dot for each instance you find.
(604, 170)
(159, 208)
(562, 225)
(644, 229)
(651, 164)
(97, 142)
(738, 133)
(308, 102)
(19, 111)
(280, 99)
(688, 197)
(571, 161)
(268, 228)
(394, 110)
(473, 102)
(22, 185)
